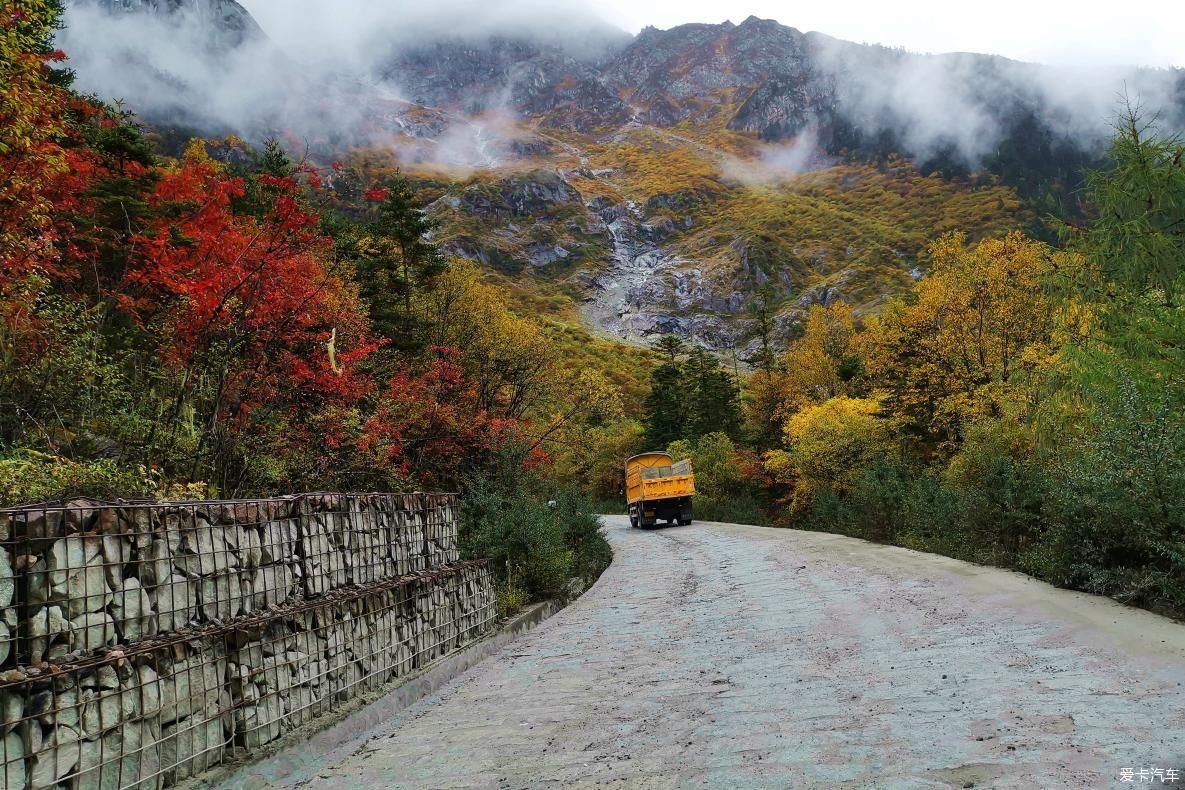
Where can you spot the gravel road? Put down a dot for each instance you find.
(728, 656)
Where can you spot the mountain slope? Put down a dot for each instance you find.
(664, 182)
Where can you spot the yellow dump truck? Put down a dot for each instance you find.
(658, 488)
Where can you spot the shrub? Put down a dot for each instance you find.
(939, 517)
(727, 484)
(1117, 504)
(538, 537)
(875, 509)
(833, 443)
(741, 507)
(28, 476)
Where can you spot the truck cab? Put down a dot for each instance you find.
(657, 488)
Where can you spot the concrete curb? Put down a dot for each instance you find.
(304, 751)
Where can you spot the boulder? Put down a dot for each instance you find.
(175, 602)
(274, 585)
(46, 626)
(57, 758)
(12, 708)
(221, 596)
(190, 685)
(142, 693)
(156, 558)
(117, 552)
(205, 550)
(92, 630)
(7, 579)
(133, 612)
(12, 771)
(250, 547)
(128, 757)
(101, 711)
(260, 723)
(77, 573)
(191, 746)
(278, 541)
(59, 708)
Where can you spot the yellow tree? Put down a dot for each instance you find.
(821, 364)
(508, 358)
(515, 368)
(831, 445)
(981, 324)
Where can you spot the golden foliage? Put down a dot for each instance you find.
(831, 444)
(860, 227)
(817, 366)
(507, 357)
(650, 162)
(981, 325)
(517, 366)
(818, 358)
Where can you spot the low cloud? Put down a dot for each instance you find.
(316, 73)
(322, 74)
(779, 161)
(961, 103)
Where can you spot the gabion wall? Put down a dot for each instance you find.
(147, 643)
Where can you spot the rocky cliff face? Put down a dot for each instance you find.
(690, 71)
(531, 77)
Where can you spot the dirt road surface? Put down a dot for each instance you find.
(727, 656)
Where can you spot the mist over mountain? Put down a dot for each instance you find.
(650, 177)
(329, 73)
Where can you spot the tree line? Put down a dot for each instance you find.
(1020, 406)
(232, 322)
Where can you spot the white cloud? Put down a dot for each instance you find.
(356, 31)
(317, 74)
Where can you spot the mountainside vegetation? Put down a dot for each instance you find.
(225, 323)
(842, 335)
(1020, 405)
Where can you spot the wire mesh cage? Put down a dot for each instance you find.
(168, 708)
(79, 577)
(143, 643)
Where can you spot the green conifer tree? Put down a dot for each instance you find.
(399, 261)
(712, 397)
(665, 408)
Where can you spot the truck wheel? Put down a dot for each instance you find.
(633, 520)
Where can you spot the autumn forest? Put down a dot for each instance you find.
(218, 317)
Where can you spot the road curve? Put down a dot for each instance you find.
(729, 656)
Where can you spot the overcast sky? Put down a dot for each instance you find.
(1148, 33)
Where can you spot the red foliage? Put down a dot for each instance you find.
(252, 297)
(263, 342)
(428, 424)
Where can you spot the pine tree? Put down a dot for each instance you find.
(274, 161)
(690, 398)
(763, 309)
(670, 346)
(399, 261)
(1139, 235)
(713, 399)
(665, 406)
